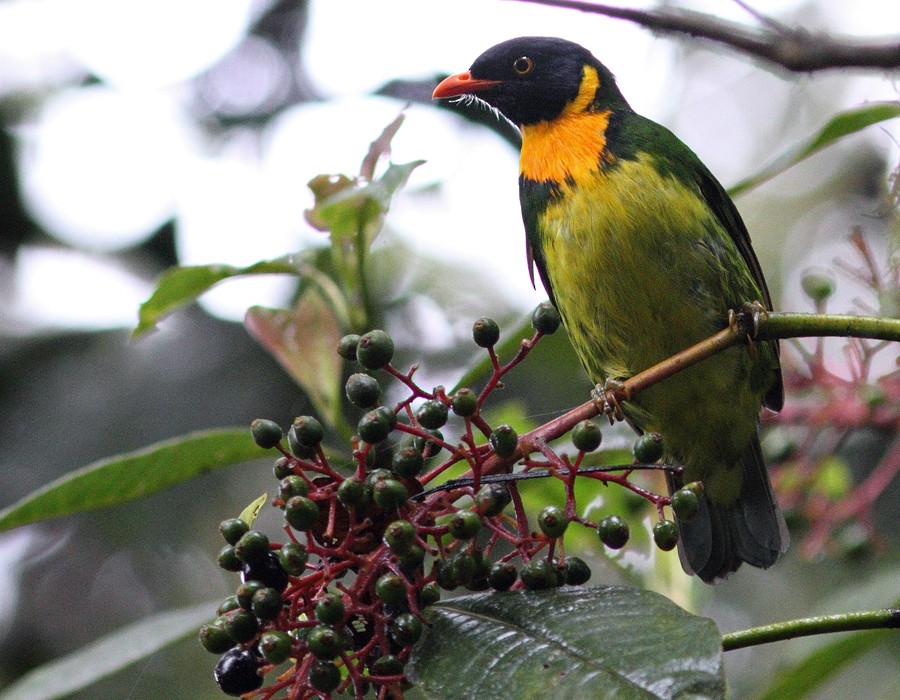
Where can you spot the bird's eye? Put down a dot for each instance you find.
(523, 65)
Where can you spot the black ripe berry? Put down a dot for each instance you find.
(268, 571)
(577, 572)
(237, 672)
(545, 318)
(324, 676)
(491, 499)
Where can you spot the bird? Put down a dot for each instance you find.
(644, 254)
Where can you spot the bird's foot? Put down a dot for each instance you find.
(607, 397)
(745, 320)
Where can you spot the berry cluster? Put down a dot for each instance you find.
(366, 548)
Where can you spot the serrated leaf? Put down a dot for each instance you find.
(181, 285)
(841, 125)
(112, 653)
(570, 643)
(133, 475)
(304, 342)
(249, 514)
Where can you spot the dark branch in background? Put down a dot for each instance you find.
(793, 48)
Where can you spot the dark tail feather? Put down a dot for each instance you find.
(752, 530)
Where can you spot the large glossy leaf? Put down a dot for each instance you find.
(133, 475)
(62, 677)
(840, 125)
(571, 643)
(181, 285)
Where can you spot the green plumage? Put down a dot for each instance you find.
(644, 254)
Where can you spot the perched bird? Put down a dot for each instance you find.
(644, 254)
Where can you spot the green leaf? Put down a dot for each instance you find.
(801, 679)
(181, 285)
(586, 642)
(248, 515)
(347, 207)
(839, 126)
(304, 342)
(133, 475)
(112, 653)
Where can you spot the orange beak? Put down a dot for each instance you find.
(461, 84)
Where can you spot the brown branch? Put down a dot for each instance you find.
(795, 49)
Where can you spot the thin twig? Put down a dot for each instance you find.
(792, 48)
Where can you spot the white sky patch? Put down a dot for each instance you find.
(63, 288)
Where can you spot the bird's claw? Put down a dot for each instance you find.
(607, 396)
(746, 320)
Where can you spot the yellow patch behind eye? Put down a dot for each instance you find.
(570, 146)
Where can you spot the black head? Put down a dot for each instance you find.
(532, 79)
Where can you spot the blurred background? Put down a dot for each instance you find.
(139, 135)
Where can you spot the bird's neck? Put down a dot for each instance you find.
(572, 146)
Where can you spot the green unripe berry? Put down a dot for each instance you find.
(504, 440)
(553, 521)
(406, 629)
(293, 557)
(613, 532)
(308, 432)
(502, 575)
(275, 646)
(301, 513)
(429, 594)
(817, 284)
(347, 346)
(375, 426)
(215, 638)
(665, 534)
(324, 676)
(539, 574)
(648, 448)
(463, 567)
(387, 665)
(376, 475)
(586, 436)
(408, 461)
(443, 574)
(227, 605)
(362, 390)
(228, 559)
(464, 402)
(266, 604)
(246, 591)
(252, 546)
(545, 318)
(685, 504)
(282, 468)
(491, 499)
(389, 494)
(266, 433)
(233, 529)
(375, 349)
(430, 446)
(291, 486)
(241, 625)
(352, 492)
(324, 642)
(391, 589)
(400, 536)
(432, 414)
(577, 572)
(485, 332)
(464, 525)
(330, 609)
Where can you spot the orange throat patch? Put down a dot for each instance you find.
(571, 146)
